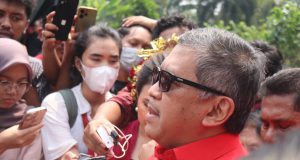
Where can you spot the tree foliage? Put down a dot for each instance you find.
(284, 27)
(279, 24)
(226, 10)
(281, 28)
(114, 11)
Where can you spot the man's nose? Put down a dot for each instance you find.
(154, 91)
(269, 135)
(5, 23)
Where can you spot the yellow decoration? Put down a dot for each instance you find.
(158, 45)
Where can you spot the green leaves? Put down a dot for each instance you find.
(281, 28)
(114, 11)
(284, 26)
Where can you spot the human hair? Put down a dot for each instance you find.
(229, 64)
(284, 82)
(254, 119)
(170, 22)
(124, 31)
(144, 76)
(274, 57)
(27, 4)
(86, 38)
(286, 147)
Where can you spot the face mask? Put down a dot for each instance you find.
(100, 79)
(129, 58)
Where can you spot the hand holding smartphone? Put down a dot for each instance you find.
(32, 117)
(86, 17)
(64, 16)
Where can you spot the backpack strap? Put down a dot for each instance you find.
(71, 105)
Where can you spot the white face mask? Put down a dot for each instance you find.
(100, 79)
(129, 58)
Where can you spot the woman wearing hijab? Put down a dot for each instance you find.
(15, 78)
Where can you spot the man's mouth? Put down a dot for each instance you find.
(153, 111)
(152, 114)
(5, 34)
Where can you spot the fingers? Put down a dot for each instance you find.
(73, 34)
(127, 22)
(50, 16)
(33, 129)
(27, 136)
(48, 35)
(51, 27)
(93, 140)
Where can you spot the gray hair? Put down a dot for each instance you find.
(229, 64)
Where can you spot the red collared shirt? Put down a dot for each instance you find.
(220, 147)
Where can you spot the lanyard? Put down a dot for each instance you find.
(85, 121)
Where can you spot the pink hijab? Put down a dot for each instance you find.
(12, 52)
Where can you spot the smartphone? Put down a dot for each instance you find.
(86, 17)
(106, 138)
(32, 117)
(87, 157)
(63, 19)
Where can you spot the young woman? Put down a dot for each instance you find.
(15, 78)
(97, 53)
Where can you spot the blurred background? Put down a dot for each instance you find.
(275, 21)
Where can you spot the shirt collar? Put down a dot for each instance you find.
(206, 149)
(83, 105)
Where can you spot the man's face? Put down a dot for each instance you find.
(138, 37)
(13, 20)
(278, 115)
(174, 117)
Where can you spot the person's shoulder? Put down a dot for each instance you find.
(55, 105)
(237, 153)
(53, 100)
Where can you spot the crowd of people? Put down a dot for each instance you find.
(211, 95)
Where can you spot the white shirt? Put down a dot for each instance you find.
(32, 151)
(57, 136)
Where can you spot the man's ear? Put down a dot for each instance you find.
(219, 113)
(26, 26)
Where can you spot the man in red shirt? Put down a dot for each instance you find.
(202, 95)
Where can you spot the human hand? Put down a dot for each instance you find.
(49, 41)
(14, 137)
(93, 140)
(147, 150)
(69, 46)
(71, 154)
(139, 20)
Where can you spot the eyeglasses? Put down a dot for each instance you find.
(165, 80)
(19, 86)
